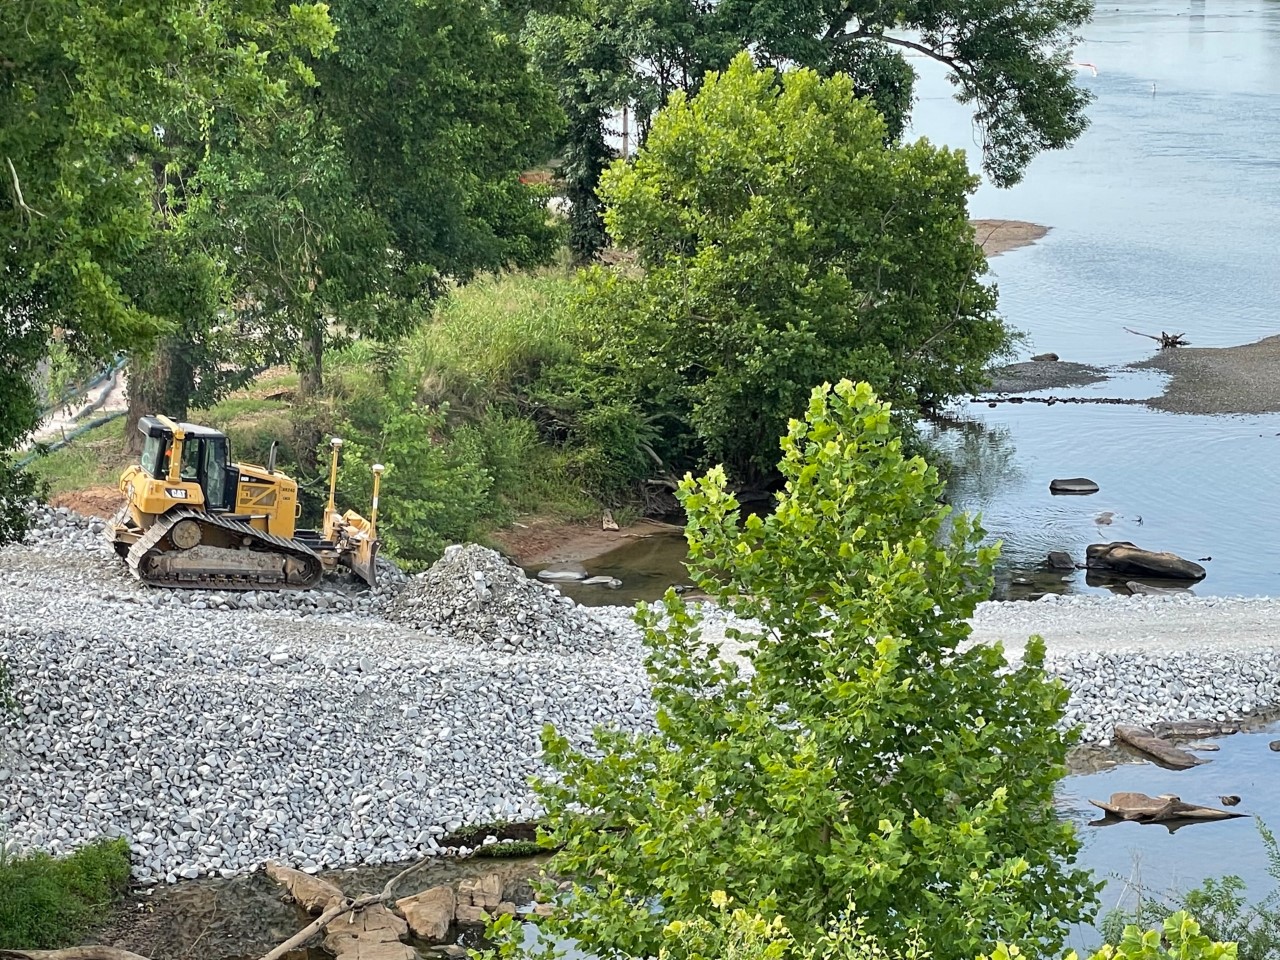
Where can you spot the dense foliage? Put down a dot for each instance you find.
(1008, 60)
(782, 243)
(866, 758)
(101, 112)
(48, 902)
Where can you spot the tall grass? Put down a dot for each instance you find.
(47, 902)
(93, 460)
(491, 337)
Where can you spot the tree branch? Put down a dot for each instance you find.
(863, 33)
(19, 203)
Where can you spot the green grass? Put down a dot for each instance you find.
(47, 903)
(491, 334)
(95, 459)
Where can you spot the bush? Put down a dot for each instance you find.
(866, 758)
(47, 903)
(433, 493)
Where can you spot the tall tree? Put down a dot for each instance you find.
(784, 243)
(398, 174)
(92, 94)
(1008, 60)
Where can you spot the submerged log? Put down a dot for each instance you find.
(1193, 729)
(1166, 808)
(1162, 752)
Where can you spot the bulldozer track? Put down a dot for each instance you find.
(257, 543)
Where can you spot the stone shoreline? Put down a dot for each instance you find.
(336, 729)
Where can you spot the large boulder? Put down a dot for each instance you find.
(1122, 557)
(430, 913)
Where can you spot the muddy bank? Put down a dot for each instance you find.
(1241, 379)
(1043, 375)
(1000, 236)
(539, 542)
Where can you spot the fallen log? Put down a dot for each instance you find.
(381, 921)
(1166, 808)
(1162, 752)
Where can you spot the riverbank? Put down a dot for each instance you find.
(1240, 379)
(333, 728)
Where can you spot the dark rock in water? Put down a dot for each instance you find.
(1060, 560)
(1126, 558)
(1230, 800)
(1275, 745)
(1076, 485)
(1045, 357)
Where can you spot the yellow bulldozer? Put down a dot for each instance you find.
(192, 518)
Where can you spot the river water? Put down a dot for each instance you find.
(1165, 216)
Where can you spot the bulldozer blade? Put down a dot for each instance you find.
(363, 563)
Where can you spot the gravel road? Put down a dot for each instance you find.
(336, 727)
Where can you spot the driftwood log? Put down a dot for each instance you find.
(1162, 752)
(1166, 340)
(1166, 809)
(1193, 729)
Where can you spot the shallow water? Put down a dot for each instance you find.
(1146, 859)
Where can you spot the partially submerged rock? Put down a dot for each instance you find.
(1166, 809)
(1045, 358)
(1124, 557)
(1073, 485)
(1163, 753)
(430, 913)
(1060, 560)
(311, 893)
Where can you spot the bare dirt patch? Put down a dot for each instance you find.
(99, 501)
(1000, 236)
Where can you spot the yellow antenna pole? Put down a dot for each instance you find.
(335, 445)
(373, 510)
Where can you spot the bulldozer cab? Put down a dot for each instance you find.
(203, 458)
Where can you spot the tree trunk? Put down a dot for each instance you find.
(306, 426)
(159, 383)
(311, 374)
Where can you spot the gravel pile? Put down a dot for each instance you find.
(214, 739)
(474, 594)
(216, 731)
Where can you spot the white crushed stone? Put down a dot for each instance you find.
(336, 727)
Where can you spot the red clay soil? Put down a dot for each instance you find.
(91, 502)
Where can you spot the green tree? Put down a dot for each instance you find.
(1008, 59)
(93, 98)
(396, 176)
(783, 243)
(866, 757)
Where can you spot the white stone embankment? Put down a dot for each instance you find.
(216, 731)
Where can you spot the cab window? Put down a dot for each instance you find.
(191, 459)
(154, 461)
